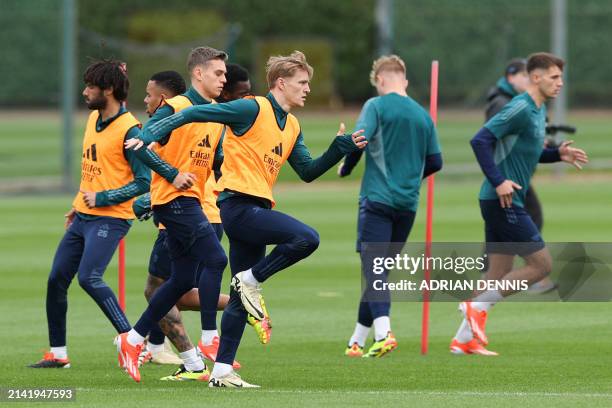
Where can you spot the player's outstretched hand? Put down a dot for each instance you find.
(504, 192)
(572, 155)
(133, 143)
(359, 139)
(89, 198)
(184, 181)
(69, 217)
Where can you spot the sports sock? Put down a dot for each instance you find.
(382, 326)
(359, 335)
(464, 334)
(248, 278)
(208, 336)
(485, 300)
(155, 348)
(134, 337)
(192, 361)
(60, 352)
(221, 370)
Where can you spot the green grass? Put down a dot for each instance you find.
(552, 354)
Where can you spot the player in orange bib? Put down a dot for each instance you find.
(191, 152)
(101, 213)
(262, 135)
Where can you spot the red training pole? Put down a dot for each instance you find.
(433, 111)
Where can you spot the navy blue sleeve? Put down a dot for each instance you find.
(550, 155)
(483, 145)
(350, 161)
(433, 164)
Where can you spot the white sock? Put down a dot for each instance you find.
(382, 326)
(60, 352)
(464, 334)
(221, 370)
(208, 336)
(359, 335)
(485, 300)
(192, 361)
(155, 348)
(248, 278)
(134, 338)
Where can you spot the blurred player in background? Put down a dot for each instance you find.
(262, 135)
(403, 149)
(101, 213)
(508, 149)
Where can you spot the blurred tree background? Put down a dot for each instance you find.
(472, 40)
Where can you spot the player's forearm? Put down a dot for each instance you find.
(119, 195)
(550, 155)
(309, 169)
(350, 161)
(483, 145)
(433, 164)
(157, 164)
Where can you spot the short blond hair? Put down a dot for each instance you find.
(391, 63)
(285, 67)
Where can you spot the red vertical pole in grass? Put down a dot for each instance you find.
(121, 275)
(433, 111)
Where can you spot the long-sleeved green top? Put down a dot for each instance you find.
(239, 116)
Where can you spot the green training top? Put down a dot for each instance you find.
(240, 115)
(520, 129)
(400, 136)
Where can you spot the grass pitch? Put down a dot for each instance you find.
(552, 354)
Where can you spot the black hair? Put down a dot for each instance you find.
(235, 73)
(515, 66)
(171, 81)
(107, 74)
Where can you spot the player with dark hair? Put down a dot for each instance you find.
(508, 149)
(101, 212)
(262, 135)
(238, 84)
(161, 86)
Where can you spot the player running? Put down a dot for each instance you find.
(177, 191)
(262, 135)
(508, 149)
(101, 212)
(403, 149)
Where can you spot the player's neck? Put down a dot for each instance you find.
(280, 99)
(537, 96)
(398, 90)
(201, 92)
(111, 109)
